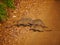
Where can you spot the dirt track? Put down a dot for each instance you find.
(48, 11)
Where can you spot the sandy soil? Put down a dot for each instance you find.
(46, 10)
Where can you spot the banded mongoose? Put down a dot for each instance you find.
(38, 25)
(24, 22)
(38, 22)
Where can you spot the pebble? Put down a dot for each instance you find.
(14, 16)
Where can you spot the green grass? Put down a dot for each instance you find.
(9, 3)
(3, 6)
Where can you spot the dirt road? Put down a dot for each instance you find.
(46, 10)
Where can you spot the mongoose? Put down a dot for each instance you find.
(38, 22)
(38, 25)
(24, 22)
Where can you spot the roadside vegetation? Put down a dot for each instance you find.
(5, 4)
